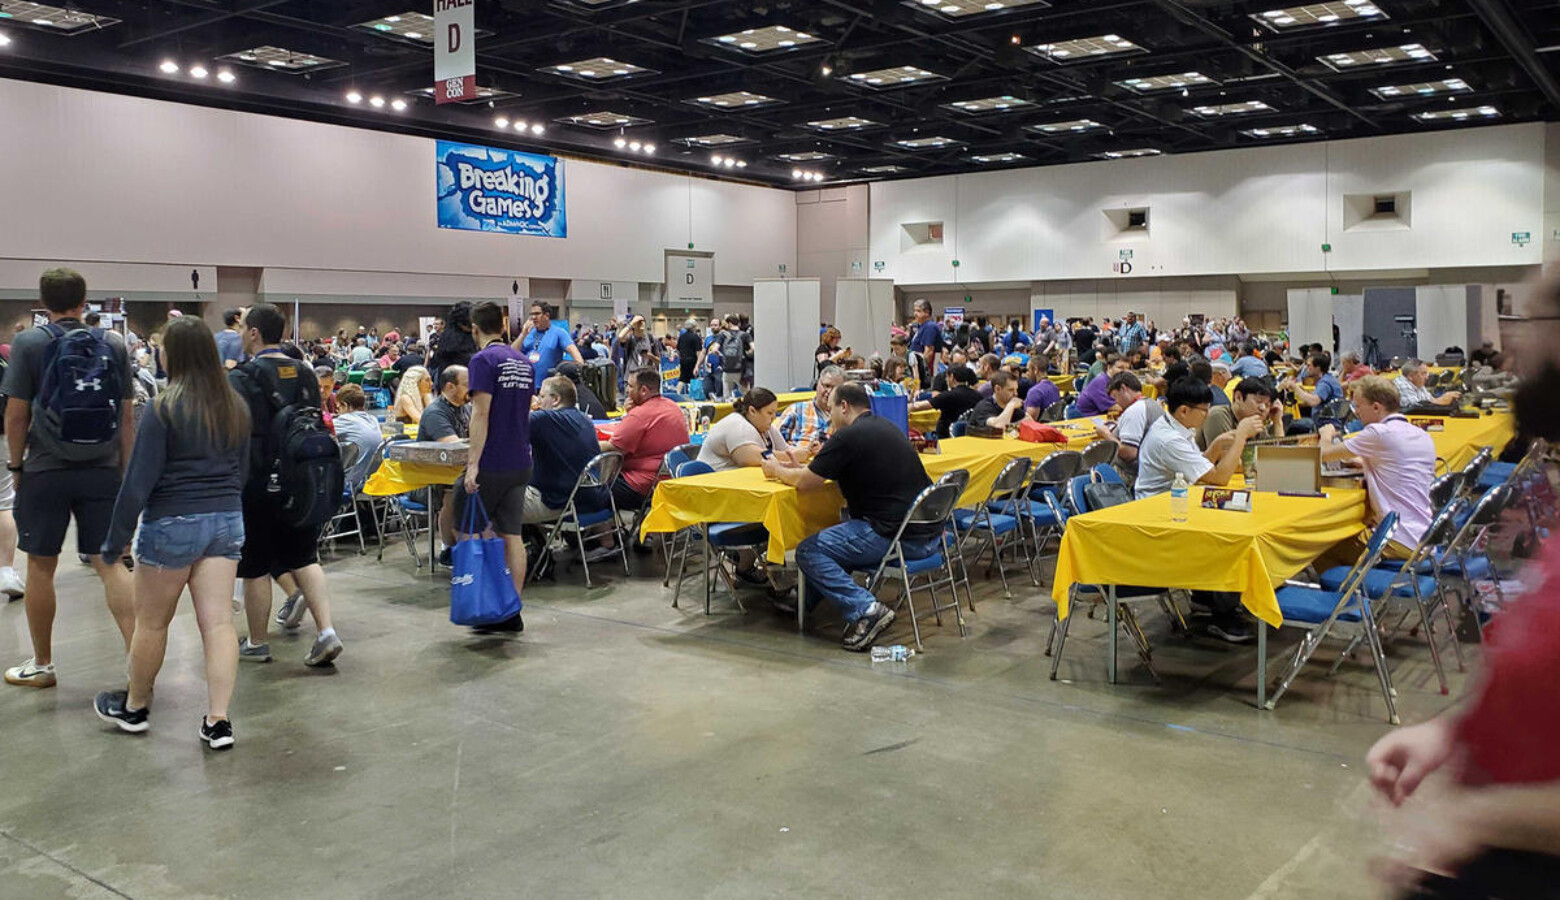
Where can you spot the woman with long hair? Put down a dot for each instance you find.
(412, 397)
(185, 482)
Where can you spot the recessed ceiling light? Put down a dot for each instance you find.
(1318, 15)
(1421, 89)
(1231, 109)
(989, 158)
(1166, 82)
(53, 18)
(808, 156)
(734, 100)
(398, 104)
(1385, 56)
(769, 39)
(501, 122)
(893, 77)
(711, 140)
(376, 101)
(281, 59)
(520, 125)
(1071, 125)
(620, 142)
(958, 9)
(1278, 131)
(413, 26)
(199, 71)
(5, 39)
(226, 76)
(354, 97)
(169, 67)
(925, 143)
(1459, 115)
(598, 68)
(883, 170)
(1128, 154)
(538, 128)
(1085, 49)
(1002, 104)
(604, 119)
(842, 123)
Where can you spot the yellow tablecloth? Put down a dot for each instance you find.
(1462, 438)
(396, 476)
(722, 410)
(1214, 550)
(745, 495)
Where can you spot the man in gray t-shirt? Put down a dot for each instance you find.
(51, 490)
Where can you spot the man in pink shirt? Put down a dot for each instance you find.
(652, 426)
(1399, 462)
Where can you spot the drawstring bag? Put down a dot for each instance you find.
(1035, 432)
(482, 592)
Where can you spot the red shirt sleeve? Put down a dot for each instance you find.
(630, 431)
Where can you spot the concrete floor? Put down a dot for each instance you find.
(623, 748)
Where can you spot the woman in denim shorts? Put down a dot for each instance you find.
(185, 483)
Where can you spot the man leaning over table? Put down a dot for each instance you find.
(880, 476)
(1138, 413)
(1253, 397)
(1399, 460)
(1411, 388)
(1169, 448)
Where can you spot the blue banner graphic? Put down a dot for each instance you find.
(487, 189)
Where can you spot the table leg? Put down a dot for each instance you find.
(1110, 618)
(706, 531)
(1262, 630)
(434, 496)
(801, 600)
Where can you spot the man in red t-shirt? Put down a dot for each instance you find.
(1498, 830)
(652, 426)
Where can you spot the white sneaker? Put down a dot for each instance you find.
(30, 674)
(11, 583)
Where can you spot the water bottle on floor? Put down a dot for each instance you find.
(1179, 499)
(896, 653)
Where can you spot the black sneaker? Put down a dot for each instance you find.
(512, 625)
(447, 558)
(860, 634)
(753, 575)
(110, 707)
(1231, 631)
(217, 735)
(783, 601)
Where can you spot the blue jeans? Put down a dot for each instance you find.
(177, 542)
(828, 557)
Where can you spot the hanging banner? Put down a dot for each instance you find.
(454, 50)
(486, 189)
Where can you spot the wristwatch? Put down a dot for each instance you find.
(11, 468)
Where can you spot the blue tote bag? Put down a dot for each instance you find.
(481, 589)
(894, 409)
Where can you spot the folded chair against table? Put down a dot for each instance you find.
(998, 522)
(723, 537)
(933, 507)
(1466, 559)
(594, 480)
(1101, 452)
(1053, 473)
(347, 521)
(960, 478)
(1318, 610)
(1410, 580)
(1474, 470)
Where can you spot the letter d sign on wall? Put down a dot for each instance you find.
(454, 50)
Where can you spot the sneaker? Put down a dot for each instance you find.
(248, 652)
(1231, 631)
(86, 558)
(860, 634)
(11, 584)
(325, 649)
(217, 735)
(30, 674)
(601, 553)
(447, 558)
(783, 601)
(514, 625)
(291, 612)
(753, 575)
(111, 707)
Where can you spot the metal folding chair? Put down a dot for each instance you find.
(1054, 412)
(722, 536)
(1474, 470)
(597, 476)
(998, 521)
(1100, 452)
(1465, 558)
(933, 508)
(1445, 489)
(348, 511)
(1318, 610)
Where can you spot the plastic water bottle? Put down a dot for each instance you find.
(896, 653)
(1179, 499)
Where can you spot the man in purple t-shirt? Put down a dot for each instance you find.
(1095, 398)
(498, 468)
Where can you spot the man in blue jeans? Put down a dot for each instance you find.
(880, 475)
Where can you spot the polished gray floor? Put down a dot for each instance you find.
(622, 748)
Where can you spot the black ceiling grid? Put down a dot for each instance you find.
(933, 86)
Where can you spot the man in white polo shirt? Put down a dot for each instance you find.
(1137, 414)
(1399, 466)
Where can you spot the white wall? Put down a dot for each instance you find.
(1163, 301)
(1262, 210)
(832, 233)
(96, 176)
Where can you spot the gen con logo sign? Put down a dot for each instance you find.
(489, 189)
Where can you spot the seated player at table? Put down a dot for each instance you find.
(360, 428)
(1044, 393)
(412, 395)
(1325, 390)
(1399, 463)
(956, 357)
(447, 420)
(1202, 370)
(1221, 380)
(586, 400)
(652, 427)
(1095, 400)
(563, 440)
(984, 367)
(1137, 414)
(741, 439)
(1253, 397)
(807, 424)
(1169, 448)
(326, 376)
(1352, 368)
(953, 402)
(1022, 383)
(1249, 364)
(1411, 388)
(880, 476)
(1003, 408)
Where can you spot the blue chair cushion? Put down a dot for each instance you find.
(1377, 581)
(1478, 568)
(737, 534)
(1303, 604)
(410, 505)
(588, 519)
(964, 519)
(1498, 473)
(1042, 517)
(917, 566)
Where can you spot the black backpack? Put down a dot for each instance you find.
(301, 459)
(79, 394)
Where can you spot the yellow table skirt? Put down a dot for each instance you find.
(1464, 437)
(396, 476)
(745, 495)
(1213, 550)
(722, 410)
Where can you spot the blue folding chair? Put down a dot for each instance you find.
(595, 480)
(1071, 412)
(722, 536)
(1106, 474)
(999, 521)
(1318, 610)
(933, 507)
(1465, 558)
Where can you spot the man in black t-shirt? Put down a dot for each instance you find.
(1083, 340)
(880, 475)
(957, 400)
(689, 343)
(1003, 407)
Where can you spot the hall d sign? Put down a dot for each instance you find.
(504, 191)
(454, 50)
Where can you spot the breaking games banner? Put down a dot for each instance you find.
(487, 189)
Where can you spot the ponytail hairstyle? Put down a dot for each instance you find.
(757, 398)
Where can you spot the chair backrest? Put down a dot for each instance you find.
(1475, 468)
(1442, 528)
(1075, 495)
(1011, 479)
(1058, 467)
(350, 453)
(694, 467)
(1491, 505)
(1071, 412)
(1054, 412)
(1105, 474)
(1444, 489)
(960, 477)
(373, 376)
(675, 457)
(1101, 452)
(1080, 381)
(959, 428)
(933, 506)
(1372, 555)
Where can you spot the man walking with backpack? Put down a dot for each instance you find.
(295, 484)
(69, 431)
(736, 350)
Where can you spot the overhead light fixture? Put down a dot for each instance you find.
(1003, 104)
(711, 140)
(893, 77)
(169, 67)
(1282, 131)
(1071, 125)
(727, 162)
(806, 175)
(1458, 115)
(605, 119)
(769, 39)
(52, 18)
(1166, 82)
(1129, 154)
(734, 100)
(958, 9)
(649, 150)
(226, 76)
(5, 39)
(806, 156)
(989, 158)
(538, 129)
(398, 104)
(354, 97)
(520, 125)
(1086, 49)
(925, 143)
(842, 123)
(411, 26)
(376, 101)
(501, 122)
(884, 170)
(280, 59)
(199, 71)
(1319, 15)
(620, 142)
(1422, 89)
(1230, 109)
(1384, 56)
(826, 70)
(597, 68)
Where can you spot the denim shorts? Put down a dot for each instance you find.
(177, 542)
